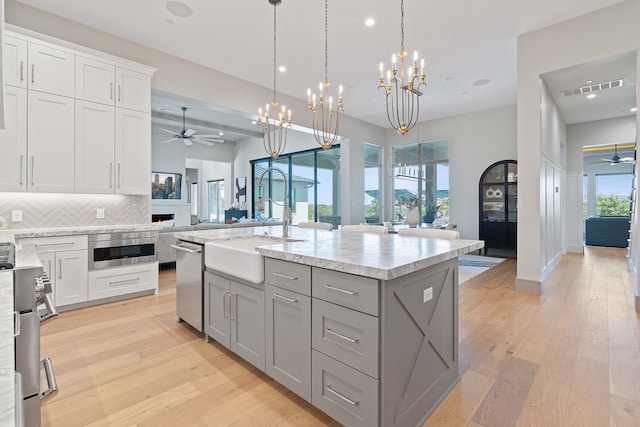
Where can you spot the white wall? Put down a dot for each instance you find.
(587, 38)
(476, 140)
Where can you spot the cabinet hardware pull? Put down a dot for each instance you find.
(346, 399)
(33, 73)
(285, 298)
(118, 282)
(21, 70)
(16, 323)
(59, 269)
(118, 175)
(284, 276)
(119, 91)
(344, 337)
(232, 301)
(110, 175)
(32, 174)
(224, 305)
(42, 245)
(111, 91)
(21, 168)
(183, 249)
(344, 291)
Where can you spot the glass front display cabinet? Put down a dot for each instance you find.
(498, 190)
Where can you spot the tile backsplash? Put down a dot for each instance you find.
(41, 210)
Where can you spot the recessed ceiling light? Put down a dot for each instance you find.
(220, 133)
(179, 9)
(282, 69)
(591, 96)
(169, 21)
(166, 110)
(481, 82)
(634, 109)
(447, 79)
(253, 122)
(589, 82)
(370, 22)
(466, 92)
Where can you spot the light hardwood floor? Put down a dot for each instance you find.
(568, 358)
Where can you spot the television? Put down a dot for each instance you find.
(167, 186)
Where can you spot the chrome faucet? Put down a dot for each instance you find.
(286, 214)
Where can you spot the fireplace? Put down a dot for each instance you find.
(168, 218)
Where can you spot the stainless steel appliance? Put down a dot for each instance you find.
(114, 249)
(189, 290)
(32, 305)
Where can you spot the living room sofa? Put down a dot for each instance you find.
(612, 231)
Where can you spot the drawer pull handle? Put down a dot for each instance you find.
(344, 337)
(119, 282)
(346, 399)
(344, 291)
(42, 245)
(285, 298)
(284, 276)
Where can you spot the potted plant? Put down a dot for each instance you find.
(430, 211)
(411, 202)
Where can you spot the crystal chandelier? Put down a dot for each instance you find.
(325, 129)
(275, 124)
(402, 87)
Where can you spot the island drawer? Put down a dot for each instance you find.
(346, 335)
(57, 243)
(356, 292)
(288, 275)
(111, 282)
(347, 395)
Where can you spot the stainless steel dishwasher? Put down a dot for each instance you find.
(189, 290)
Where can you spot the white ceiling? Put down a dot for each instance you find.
(463, 41)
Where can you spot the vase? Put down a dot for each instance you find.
(413, 217)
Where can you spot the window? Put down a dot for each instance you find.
(314, 187)
(372, 183)
(613, 194)
(215, 199)
(193, 198)
(421, 179)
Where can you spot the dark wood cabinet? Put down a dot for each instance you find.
(498, 191)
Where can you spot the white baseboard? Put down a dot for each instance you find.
(529, 286)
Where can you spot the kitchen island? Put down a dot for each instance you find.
(364, 326)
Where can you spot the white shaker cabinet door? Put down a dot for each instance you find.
(133, 90)
(14, 62)
(95, 81)
(51, 70)
(94, 148)
(50, 143)
(71, 277)
(133, 152)
(13, 141)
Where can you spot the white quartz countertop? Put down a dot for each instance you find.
(11, 235)
(383, 257)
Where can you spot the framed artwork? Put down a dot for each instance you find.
(166, 185)
(241, 189)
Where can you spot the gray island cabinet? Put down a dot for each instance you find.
(365, 327)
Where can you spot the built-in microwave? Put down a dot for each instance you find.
(126, 248)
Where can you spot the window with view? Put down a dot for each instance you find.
(613, 194)
(313, 190)
(372, 183)
(215, 200)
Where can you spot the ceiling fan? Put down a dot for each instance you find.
(188, 136)
(617, 159)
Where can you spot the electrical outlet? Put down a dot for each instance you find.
(16, 216)
(100, 213)
(427, 295)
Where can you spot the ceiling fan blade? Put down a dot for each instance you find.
(173, 132)
(627, 159)
(202, 141)
(187, 141)
(170, 140)
(189, 132)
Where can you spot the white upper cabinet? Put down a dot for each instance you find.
(13, 141)
(133, 90)
(14, 62)
(95, 148)
(95, 81)
(50, 143)
(133, 152)
(50, 70)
